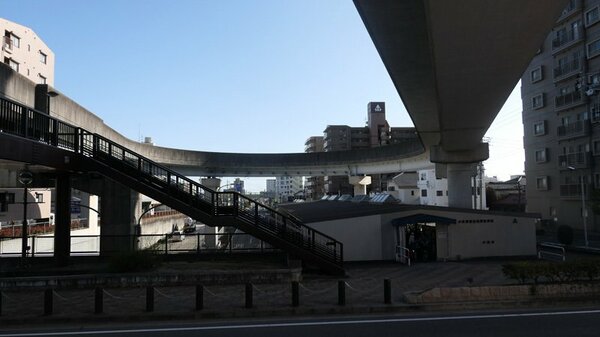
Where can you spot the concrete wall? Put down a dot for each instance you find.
(362, 237)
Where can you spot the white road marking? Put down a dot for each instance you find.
(297, 324)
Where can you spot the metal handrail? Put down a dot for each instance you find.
(23, 121)
(544, 250)
(403, 252)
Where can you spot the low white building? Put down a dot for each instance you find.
(375, 232)
(11, 204)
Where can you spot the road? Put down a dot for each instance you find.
(563, 323)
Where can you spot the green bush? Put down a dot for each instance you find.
(564, 234)
(135, 261)
(553, 272)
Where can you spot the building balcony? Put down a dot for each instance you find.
(7, 44)
(577, 160)
(568, 100)
(569, 38)
(570, 191)
(567, 70)
(574, 6)
(595, 112)
(575, 130)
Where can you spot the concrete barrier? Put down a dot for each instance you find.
(501, 293)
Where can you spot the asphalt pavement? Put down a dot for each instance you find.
(563, 323)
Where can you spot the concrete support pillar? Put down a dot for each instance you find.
(360, 184)
(459, 185)
(62, 229)
(120, 209)
(211, 182)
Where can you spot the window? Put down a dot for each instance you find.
(412, 192)
(592, 16)
(39, 197)
(537, 101)
(541, 183)
(15, 40)
(439, 193)
(5, 200)
(593, 48)
(540, 156)
(14, 65)
(536, 74)
(594, 79)
(596, 147)
(42, 79)
(423, 193)
(43, 58)
(423, 176)
(539, 128)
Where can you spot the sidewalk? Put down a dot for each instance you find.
(318, 295)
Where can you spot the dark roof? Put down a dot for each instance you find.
(323, 210)
(422, 218)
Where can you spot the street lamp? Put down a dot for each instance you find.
(583, 209)
(25, 178)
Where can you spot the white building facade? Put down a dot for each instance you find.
(286, 188)
(26, 53)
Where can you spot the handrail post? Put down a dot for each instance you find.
(76, 140)
(54, 136)
(236, 204)
(24, 115)
(256, 214)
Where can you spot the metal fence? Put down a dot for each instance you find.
(192, 243)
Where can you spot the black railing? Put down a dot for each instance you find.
(570, 67)
(568, 99)
(566, 37)
(23, 121)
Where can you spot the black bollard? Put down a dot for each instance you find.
(248, 295)
(199, 297)
(387, 291)
(48, 299)
(295, 293)
(98, 300)
(341, 293)
(149, 299)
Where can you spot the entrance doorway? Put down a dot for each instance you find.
(416, 237)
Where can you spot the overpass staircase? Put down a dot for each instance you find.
(95, 153)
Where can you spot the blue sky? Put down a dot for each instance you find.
(227, 75)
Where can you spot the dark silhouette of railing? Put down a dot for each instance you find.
(280, 230)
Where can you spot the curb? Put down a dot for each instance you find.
(271, 312)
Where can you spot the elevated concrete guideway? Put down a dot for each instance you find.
(454, 64)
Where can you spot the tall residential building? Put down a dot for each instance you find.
(26, 53)
(561, 115)
(314, 186)
(376, 133)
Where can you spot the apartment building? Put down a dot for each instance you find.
(26, 53)
(376, 132)
(561, 118)
(314, 186)
(287, 188)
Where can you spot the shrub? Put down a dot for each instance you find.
(135, 261)
(564, 234)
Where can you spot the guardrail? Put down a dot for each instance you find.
(550, 251)
(403, 255)
(167, 244)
